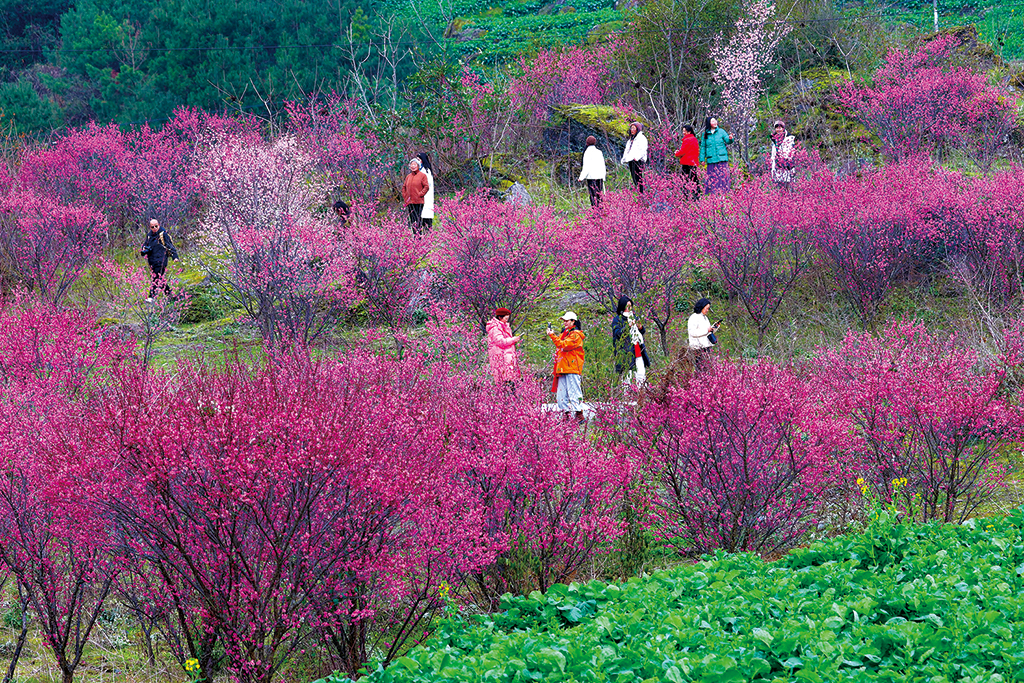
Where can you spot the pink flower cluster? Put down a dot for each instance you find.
(257, 510)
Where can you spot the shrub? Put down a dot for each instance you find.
(740, 458)
(922, 409)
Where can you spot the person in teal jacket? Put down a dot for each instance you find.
(714, 152)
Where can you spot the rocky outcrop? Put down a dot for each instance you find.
(572, 124)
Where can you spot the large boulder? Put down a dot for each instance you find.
(571, 125)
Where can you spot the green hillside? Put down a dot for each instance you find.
(1000, 23)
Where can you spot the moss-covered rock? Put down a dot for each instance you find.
(972, 50)
(572, 124)
(811, 113)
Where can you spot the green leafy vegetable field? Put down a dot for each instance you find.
(898, 602)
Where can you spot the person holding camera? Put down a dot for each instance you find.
(568, 384)
(156, 249)
(701, 334)
(631, 360)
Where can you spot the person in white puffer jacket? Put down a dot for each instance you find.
(635, 154)
(594, 171)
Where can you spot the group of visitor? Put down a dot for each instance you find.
(711, 149)
(628, 347)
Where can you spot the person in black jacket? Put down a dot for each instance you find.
(156, 249)
(624, 345)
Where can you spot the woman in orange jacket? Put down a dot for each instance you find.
(568, 386)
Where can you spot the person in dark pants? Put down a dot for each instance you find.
(157, 248)
(593, 171)
(635, 154)
(688, 155)
(414, 190)
(628, 348)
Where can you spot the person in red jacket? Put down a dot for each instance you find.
(688, 155)
(414, 190)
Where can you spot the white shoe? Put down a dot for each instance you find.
(149, 299)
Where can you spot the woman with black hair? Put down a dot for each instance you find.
(635, 154)
(427, 217)
(689, 155)
(783, 146)
(630, 351)
(713, 151)
(701, 334)
(593, 171)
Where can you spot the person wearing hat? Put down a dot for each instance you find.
(701, 333)
(594, 171)
(568, 386)
(501, 349)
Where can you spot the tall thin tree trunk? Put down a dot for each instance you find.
(20, 644)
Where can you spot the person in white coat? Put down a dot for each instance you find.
(701, 334)
(635, 154)
(594, 171)
(783, 146)
(428, 199)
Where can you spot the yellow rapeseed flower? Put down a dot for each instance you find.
(860, 482)
(191, 665)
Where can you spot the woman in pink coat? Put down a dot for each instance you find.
(501, 349)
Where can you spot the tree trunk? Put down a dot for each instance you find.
(19, 645)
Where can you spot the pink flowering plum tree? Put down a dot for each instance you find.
(301, 502)
(560, 76)
(83, 167)
(741, 459)
(47, 244)
(759, 239)
(265, 246)
(386, 260)
(923, 409)
(488, 255)
(328, 129)
(641, 252)
(549, 502)
(161, 170)
(919, 100)
(741, 61)
(56, 546)
(987, 247)
(878, 231)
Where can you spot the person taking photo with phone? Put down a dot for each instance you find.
(568, 384)
(701, 334)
